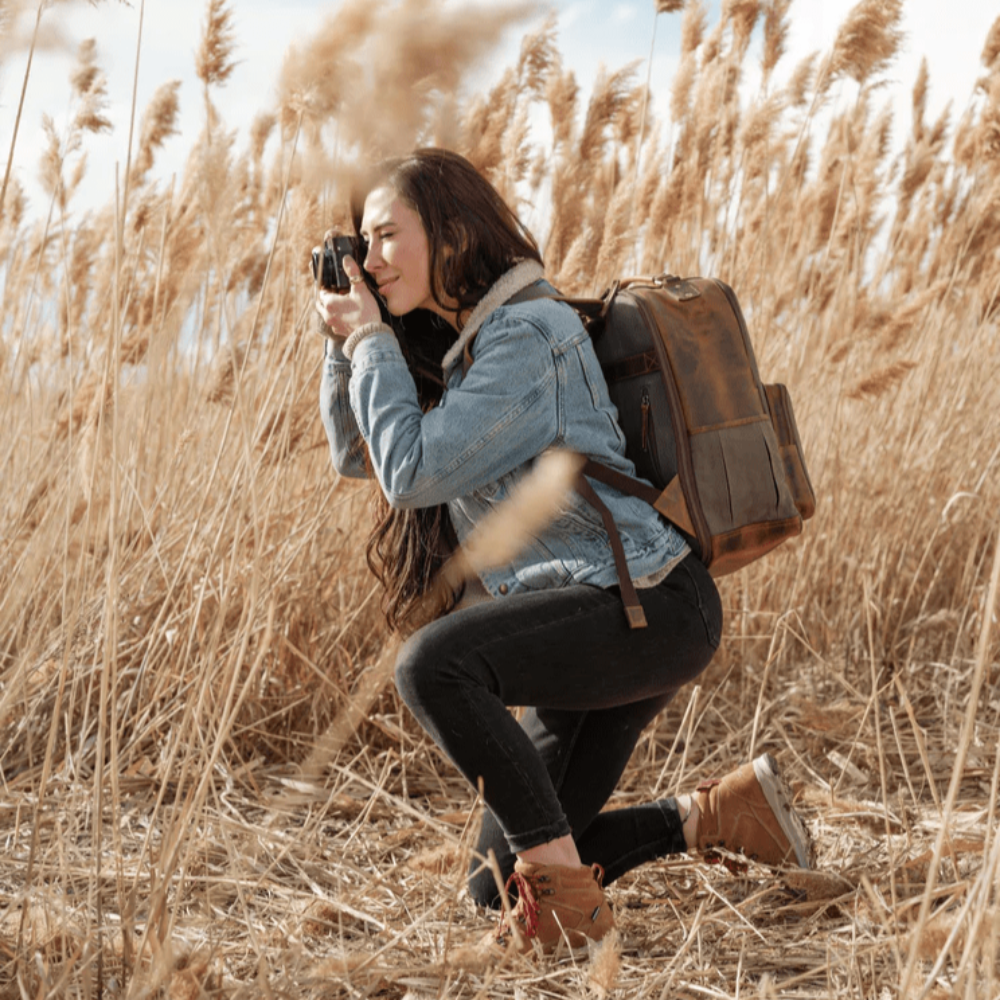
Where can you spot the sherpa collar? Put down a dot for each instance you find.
(527, 272)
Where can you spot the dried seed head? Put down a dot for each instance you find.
(742, 15)
(680, 92)
(539, 57)
(920, 99)
(12, 210)
(880, 382)
(801, 79)
(611, 96)
(693, 27)
(423, 52)
(868, 39)
(561, 93)
(158, 124)
(991, 50)
(86, 70)
(90, 85)
(214, 62)
(51, 163)
(260, 132)
(775, 34)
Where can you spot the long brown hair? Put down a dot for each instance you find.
(473, 238)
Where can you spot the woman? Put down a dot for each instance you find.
(444, 257)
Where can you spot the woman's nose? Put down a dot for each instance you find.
(373, 259)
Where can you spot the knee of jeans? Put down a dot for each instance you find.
(409, 674)
(419, 672)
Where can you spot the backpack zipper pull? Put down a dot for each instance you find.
(645, 407)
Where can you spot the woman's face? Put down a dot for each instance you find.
(398, 255)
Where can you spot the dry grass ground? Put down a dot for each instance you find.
(184, 607)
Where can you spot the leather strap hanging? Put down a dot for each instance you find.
(633, 609)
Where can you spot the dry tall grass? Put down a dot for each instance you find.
(183, 602)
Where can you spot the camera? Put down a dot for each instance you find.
(328, 261)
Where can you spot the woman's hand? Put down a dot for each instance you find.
(344, 313)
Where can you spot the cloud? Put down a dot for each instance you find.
(624, 13)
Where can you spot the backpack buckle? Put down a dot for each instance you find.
(680, 289)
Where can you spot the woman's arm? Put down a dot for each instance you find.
(504, 413)
(343, 314)
(346, 443)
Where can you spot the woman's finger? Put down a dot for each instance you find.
(344, 313)
(353, 271)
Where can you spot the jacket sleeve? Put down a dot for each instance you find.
(342, 431)
(502, 414)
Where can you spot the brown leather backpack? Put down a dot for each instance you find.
(721, 448)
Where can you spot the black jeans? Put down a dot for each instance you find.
(592, 685)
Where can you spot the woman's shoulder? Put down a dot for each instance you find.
(555, 322)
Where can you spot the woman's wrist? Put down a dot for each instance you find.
(324, 330)
(362, 333)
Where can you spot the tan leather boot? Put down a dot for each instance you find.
(556, 903)
(749, 812)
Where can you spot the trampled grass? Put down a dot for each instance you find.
(185, 610)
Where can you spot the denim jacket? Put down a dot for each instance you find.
(535, 383)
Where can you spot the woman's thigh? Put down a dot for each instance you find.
(568, 649)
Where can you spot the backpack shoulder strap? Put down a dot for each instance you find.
(633, 609)
(589, 308)
(540, 289)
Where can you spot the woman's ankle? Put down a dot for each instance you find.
(561, 851)
(689, 813)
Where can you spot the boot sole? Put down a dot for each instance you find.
(779, 798)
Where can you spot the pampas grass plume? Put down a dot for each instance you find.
(919, 99)
(880, 382)
(801, 80)
(775, 34)
(561, 93)
(610, 98)
(991, 50)
(605, 964)
(693, 26)
(159, 122)
(90, 85)
(680, 93)
(742, 15)
(86, 72)
(868, 40)
(533, 504)
(214, 61)
(51, 162)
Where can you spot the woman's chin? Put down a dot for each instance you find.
(397, 306)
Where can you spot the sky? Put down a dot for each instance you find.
(591, 33)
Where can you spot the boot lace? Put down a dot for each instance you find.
(526, 911)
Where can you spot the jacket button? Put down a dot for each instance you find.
(503, 589)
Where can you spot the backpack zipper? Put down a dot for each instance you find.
(648, 437)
